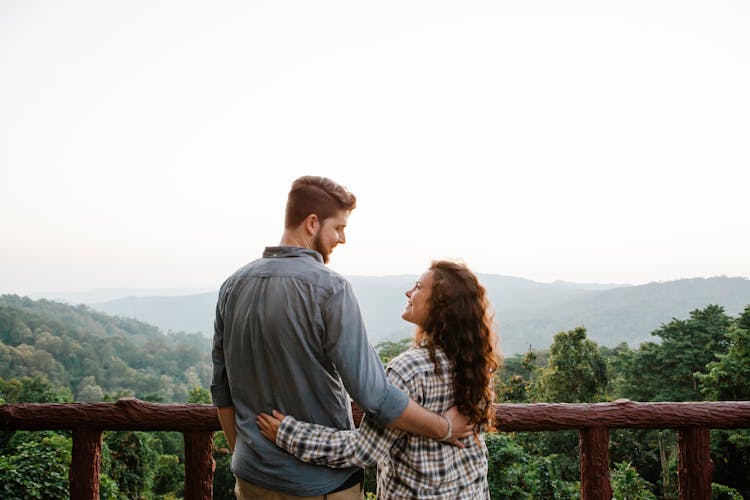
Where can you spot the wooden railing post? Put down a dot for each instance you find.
(199, 465)
(694, 466)
(594, 445)
(85, 464)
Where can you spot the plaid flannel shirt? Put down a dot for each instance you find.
(409, 466)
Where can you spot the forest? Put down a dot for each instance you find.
(52, 352)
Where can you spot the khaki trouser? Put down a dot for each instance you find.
(246, 491)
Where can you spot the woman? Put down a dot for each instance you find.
(452, 363)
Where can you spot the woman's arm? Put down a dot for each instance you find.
(327, 446)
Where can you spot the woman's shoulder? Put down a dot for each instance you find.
(415, 360)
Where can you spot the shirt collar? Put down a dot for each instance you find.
(282, 252)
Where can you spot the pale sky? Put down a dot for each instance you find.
(152, 144)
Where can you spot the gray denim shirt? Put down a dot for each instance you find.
(289, 336)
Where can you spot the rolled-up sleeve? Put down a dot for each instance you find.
(331, 447)
(356, 361)
(220, 393)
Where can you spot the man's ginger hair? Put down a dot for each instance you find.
(316, 195)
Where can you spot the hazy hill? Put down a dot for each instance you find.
(626, 314)
(186, 313)
(527, 312)
(95, 354)
(106, 294)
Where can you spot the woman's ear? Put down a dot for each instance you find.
(312, 224)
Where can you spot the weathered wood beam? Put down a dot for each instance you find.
(199, 465)
(694, 466)
(132, 414)
(594, 445)
(85, 464)
(126, 414)
(622, 414)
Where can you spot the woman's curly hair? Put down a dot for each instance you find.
(460, 323)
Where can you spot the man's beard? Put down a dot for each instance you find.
(318, 247)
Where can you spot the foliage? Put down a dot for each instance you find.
(725, 378)
(670, 371)
(721, 492)
(33, 390)
(644, 449)
(387, 350)
(516, 376)
(36, 468)
(514, 389)
(627, 484)
(199, 394)
(94, 354)
(559, 449)
(223, 488)
(731, 452)
(545, 478)
(169, 477)
(93, 357)
(577, 370)
(508, 467)
(133, 461)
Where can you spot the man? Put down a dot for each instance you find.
(289, 336)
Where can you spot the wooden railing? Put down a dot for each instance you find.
(197, 422)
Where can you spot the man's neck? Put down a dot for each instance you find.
(292, 239)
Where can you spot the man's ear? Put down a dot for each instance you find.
(312, 224)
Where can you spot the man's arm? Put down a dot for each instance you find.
(228, 424)
(416, 420)
(220, 393)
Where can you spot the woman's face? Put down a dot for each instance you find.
(418, 305)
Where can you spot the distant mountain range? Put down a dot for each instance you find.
(527, 312)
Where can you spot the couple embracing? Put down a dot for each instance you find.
(290, 348)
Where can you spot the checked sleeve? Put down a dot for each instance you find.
(321, 445)
(331, 447)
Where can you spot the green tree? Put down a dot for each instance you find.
(529, 362)
(387, 350)
(169, 478)
(133, 462)
(512, 390)
(670, 371)
(726, 379)
(89, 390)
(223, 488)
(721, 492)
(577, 371)
(547, 480)
(36, 468)
(508, 467)
(199, 395)
(627, 484)
(33, 390)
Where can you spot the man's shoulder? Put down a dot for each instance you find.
(305, 270)
(238, 274)
(317, 274)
